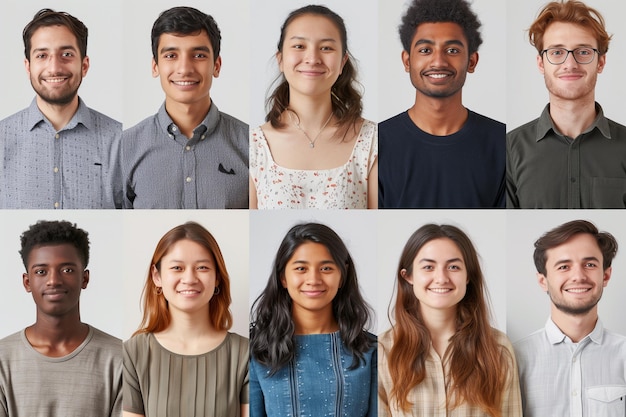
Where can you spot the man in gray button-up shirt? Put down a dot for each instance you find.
(58, 153)
(189, 155)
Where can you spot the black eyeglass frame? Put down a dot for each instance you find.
(567, 54)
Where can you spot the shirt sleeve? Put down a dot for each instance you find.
(132, 398)
(257, 402)
(383, 399)
(511, 398)
(373, 406)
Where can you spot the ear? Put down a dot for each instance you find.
(540, 64)
(156, 276)
(217, 66)
(26, 282)
(473, 61)
(543, 281)
(607, 276)
(408, 278)
(406, 59)
(85, 279)
(155, 69)
(343, 62)
(601, 63)
(27, 66)
(85, 66)
(279, 60)
(283, 281)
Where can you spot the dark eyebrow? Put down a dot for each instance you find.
(446, 43)
(449, 261)
(199, 260)
(304, 39)
(64, 47)
(176, 48)
(307, 262)
(45, 265)
(567, 261)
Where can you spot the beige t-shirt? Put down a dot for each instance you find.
(160, 383)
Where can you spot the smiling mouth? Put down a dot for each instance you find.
(185, 83)
(440, 290)
(188, 292)
(55, 80)
(578, 290)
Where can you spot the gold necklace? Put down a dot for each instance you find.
(296, 123)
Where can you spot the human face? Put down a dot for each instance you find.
(439, 59)
(312, 55)
(574, 275)
(570, 80)
(55, 67)
(312, 278)
(186, 67)
(55, 277)
(188, 276)
(439, 276)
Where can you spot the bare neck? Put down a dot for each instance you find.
(58, 114)
(438, 116)
(187, 116)
(57, 336)
(314, 322)
(312, 111)
(575, 327)
(441, 325)
(572, 118)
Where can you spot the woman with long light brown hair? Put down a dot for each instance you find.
(442, 357)
(183, 361)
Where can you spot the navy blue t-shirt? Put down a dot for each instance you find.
(462, 170)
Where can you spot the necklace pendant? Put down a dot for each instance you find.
(311, 145)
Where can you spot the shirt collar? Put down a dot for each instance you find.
(545, 124)
(168, 126)
(556, 336)
(82, 116)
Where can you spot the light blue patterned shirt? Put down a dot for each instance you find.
(77, 167)
(559, 378)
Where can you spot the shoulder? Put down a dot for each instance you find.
(502, 339)
(104, 121)
(394, 122)
(104, 339)
(529, 344)
(523, 131)
(138, 342)
(11, 341)
(233, 122)
(238, 343)
(487, 122)
(385, 340)
(147, 124)
(617, 130)
(615, 340)
(15, 117)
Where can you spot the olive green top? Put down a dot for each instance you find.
(160, 383)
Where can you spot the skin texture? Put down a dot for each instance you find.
(312, 279)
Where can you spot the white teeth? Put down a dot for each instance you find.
(440, 290)
(578, 290)
(187, 292)
(438, 75)
(55, 80)
(184, 82)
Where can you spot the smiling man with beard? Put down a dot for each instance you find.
(572, 156)
(439, 154)
(58, 153)
(573, 366)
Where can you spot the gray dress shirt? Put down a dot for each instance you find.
(77, 167)
(163, 169)
(546, 169)
(561, 378)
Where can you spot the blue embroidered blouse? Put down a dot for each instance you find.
(317, 383)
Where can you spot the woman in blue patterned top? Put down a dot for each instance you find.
(310, 354)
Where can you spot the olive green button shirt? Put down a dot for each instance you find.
(546, 169)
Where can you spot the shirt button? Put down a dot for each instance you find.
(188, 179)
(574, 359)
(56, 205)
(202, 137)
(57, 136)
(56, 169)
(174, 128)
(574, 393)
(187, 148)
(171, 136)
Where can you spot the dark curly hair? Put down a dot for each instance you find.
(49, 17)
(185, 21)
(347, 104)
(272, 343)
(48, 233)
(435, 11)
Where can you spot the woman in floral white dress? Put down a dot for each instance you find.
(315, 150)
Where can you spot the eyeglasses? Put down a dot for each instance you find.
(557, 56)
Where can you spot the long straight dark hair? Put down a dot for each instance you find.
(346, 97)
(272, 332)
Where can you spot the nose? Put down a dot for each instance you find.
(54, 64)
(189, 276)
(314, 277)
(184, 65)
(439, 59)
(441, 275)
(570, 61)
(312, 56)
(54, 278)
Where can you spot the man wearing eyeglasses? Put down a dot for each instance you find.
(572, 156)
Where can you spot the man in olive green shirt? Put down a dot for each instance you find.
(571, 156)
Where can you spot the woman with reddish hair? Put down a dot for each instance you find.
(182, 361)
(442, 357)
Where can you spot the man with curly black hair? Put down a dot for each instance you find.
(439, 154)
(73, 368)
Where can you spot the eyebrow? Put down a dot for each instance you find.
(568, 261)
(449, 261)
(307, 262)
(45, 265)
(446, 43)
(302, 38)
(64, 47)
(199, 260)
(176, 48)
(560, 45)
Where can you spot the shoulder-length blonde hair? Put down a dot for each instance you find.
(478, 364)
(156, 315)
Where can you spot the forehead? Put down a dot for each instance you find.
(312, 26)
(439, 32)
(185, 41)
(569, 35)
(187, 248)
(581, 245)
(311, 250)
(54, 254)
(52, 36)
(439, 249)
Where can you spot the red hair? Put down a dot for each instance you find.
(156, 315)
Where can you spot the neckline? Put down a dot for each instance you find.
(171, 353)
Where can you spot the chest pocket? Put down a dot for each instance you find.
(607, 401)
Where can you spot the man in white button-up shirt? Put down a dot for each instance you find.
(573, 367)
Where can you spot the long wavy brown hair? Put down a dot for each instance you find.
(156, 314)
(477, 362)
(346, 98)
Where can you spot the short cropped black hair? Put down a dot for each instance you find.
(48, 233)
(185, 21)
(48, 17)
(440, 11)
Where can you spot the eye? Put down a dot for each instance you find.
(67, 270)
(428, 267)
(452, 51)
(563, 268)
(40, 56)
(424, 50)
(39, 272)
(590, 265)
(327, 48)
(68, 54)
(169, 56)
(297, 46)
(200, 55)
(556, 52)
(454, 267)
(584, 52)
(203, 268)
(328, 269)
(176, 268)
